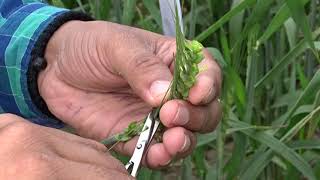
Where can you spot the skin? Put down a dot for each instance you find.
(29, 151)
(101, 76)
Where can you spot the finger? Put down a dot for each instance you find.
(157, 156)
(7, 119)
(195, 118)
(147, 75)
(128, 147)
(208, 83)
(84, 171)
(75, 138)
(83, 153)
(177, 143)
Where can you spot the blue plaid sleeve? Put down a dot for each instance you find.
(21, 23)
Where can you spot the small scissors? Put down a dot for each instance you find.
(149, 129)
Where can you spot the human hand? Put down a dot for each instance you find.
(101, 76)
(29, 151)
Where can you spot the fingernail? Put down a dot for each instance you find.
(186, 144)
(159, 88)
(182, 116)
(207, 92)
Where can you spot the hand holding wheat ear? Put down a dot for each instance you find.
(102, 76)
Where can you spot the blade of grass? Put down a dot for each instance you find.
(262, 159)
(278, 147)
(217, 25)
(220, 147)
(235, 23)
(303, 80)
(225, 46)
(81, 5)
(186, 170)
(291, 30)
(305, 144)
(204, 139)
(198, 157)
(285, 61)
(153, 10)
(298, 13)
(58, 3)
(192, 26)
(279, 19)
(128, 12)
(310, 58)
(233, 166)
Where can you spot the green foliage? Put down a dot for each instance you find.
(132, 130)
(268, 52)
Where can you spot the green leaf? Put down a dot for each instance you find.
(237, 9)
(144, 174)
(153, 10)
(198, 157)
(290, 57)
(300, 17)
(305, 144)
(278, 20)
(81, 5)
(260, 161)
(291, 30)
(218, 56)
(278, 147)
(203, 139)
(128, 12)
(186, 172)
(236, 23)
(192, 27)
(58, 3)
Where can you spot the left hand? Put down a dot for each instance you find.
(101, 76)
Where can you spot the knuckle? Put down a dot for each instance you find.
(108, 173)
(99, 170)
(9, 117)
(37, 162)
(118, 165)
(95, 145)
(19, 129)
(214, 117)
(207, 123)
(211, 127)
(144, 62)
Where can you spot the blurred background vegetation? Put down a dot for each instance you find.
(268, 50)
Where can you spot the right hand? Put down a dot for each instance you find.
(29, 151)
(102, 76)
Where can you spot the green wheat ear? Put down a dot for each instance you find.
(188, 56)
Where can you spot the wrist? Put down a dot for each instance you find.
(38, 62)
(59, 40)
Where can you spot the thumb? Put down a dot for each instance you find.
(148, 76)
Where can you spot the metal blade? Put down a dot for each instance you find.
(167, 9)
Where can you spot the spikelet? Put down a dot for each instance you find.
(188, 56)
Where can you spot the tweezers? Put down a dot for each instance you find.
(149, 129)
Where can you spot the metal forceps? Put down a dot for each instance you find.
(149, 129)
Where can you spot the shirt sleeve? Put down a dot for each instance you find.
(22, 24)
